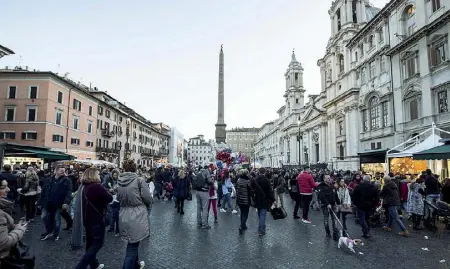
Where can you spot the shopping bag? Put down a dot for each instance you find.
(278, 213)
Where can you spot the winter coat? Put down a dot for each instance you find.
(344, 196)
(134, 197)
(306, 183)
(10, 234)
(56, 192)
(390, 194)
(327, 195)
(415, 202)
(264, 196)
(181, 188)
(243, 190)
(278, 185)
(95, 199)
(31, 186)
(365, 196)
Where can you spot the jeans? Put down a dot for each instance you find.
(431, 198)
(343, 217)
(262, 220)
(364, 215)
(30, 206)
(131, 260)
(52, 220)
(202, 208)
(95, 236)
(227, 201)
(244, 216)
(114, 226)
(66, 216)
(393, 216)
(149, 213)
(326, 218)
(180, 204)
(306, 200)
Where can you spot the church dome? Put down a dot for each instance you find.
(371, 11)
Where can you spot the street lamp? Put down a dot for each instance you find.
(299, 138)
(127, 134)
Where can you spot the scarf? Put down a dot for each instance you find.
(77, 228)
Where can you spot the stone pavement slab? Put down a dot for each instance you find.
(176, 242)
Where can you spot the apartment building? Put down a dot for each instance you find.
(44, 109)
(199, 151)
(242, 140)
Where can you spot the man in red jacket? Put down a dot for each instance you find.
(306, 186)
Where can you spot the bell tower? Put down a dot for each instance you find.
(295, 93)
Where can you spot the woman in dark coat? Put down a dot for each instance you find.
(181, 190)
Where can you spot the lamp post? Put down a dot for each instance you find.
(127, 145)
(299, 139)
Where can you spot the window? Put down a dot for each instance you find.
(105, 143)
(382, 64)
(339, 87)
(33, 92)
(99, 142)
(356, 56)
(341, 127)
(409, 20)
(89, 127)
(361, 50)
(371, 42)
(99, 124)
(385, 110)
(12, 92)
(90, 110)
(29, 136)
(354, 13)
(75, 123)
(435, 5)
(31, 113)
(338, 16)
(413, 109)
(89, 144)
(58, 138)
(374, 113)
(296, 100)
(341, 151)
(372, 69)
(75, 141)
(10, 114)
(410, 66)
(60, 97)
(58, 117)
(363, 75)
(107, 113)
(341, 63)
(100, 110)
(437, 52)
(76, 105)
(442, 101)
(380, 35)
(7, 135)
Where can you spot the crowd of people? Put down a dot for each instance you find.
(95, 201)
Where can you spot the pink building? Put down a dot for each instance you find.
(44, 109)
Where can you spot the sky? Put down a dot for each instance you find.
(160, 57)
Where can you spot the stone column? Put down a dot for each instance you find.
(333, 23)
(349, 11)
(355, 130)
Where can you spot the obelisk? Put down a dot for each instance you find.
(220, 125)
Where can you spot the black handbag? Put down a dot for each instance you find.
(278, 213)
(19, 258)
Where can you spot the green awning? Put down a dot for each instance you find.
(436, 153)
(46, 154)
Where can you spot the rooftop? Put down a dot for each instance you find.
(243, 129)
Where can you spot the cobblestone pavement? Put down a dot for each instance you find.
(176, 242)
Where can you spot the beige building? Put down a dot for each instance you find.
(242, 140)
(43, 109)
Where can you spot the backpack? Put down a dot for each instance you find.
(199, 181)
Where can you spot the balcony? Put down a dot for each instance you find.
(105, 150)
(107, 133)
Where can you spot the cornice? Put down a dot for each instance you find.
(341, 97)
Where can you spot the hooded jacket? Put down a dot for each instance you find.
(390, 195)
(134, 197)
(10, 234)
(31, 185)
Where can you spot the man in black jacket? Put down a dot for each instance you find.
(264, 199)
(365, 198)
(328, 199)
(55, 196)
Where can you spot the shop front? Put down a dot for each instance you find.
(373, 161)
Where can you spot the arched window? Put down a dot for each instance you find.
(374, 113)
(341, 63)
(411, 105)
(409, 20)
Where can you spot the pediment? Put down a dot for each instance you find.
(311, 113)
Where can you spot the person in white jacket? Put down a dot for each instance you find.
(151, 186)
(345, 203)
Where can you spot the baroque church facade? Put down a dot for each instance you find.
(385, 78)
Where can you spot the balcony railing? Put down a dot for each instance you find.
(107, 133)
(105, 150)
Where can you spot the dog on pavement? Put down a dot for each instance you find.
(349, 243)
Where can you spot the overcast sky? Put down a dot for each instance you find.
(161, 57)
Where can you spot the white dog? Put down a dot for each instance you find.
(350, 243)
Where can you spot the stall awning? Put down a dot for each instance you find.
(44, 154)
(437, 153)
(373, 156)
(430, 142)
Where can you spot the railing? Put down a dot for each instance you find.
(107, 133)
(106, 150)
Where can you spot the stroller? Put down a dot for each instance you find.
(168, 187)
(439, 210)
(376, 219)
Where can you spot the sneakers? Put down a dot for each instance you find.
(56, 237)
(117, 234)
(141, 264)
(101, 266)
(206, 227)
(223, 210)
(404, 233)
(234, 211)
(46, 236)
(306, 221)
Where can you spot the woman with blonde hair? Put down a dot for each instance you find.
(90, 210)
(30, 192)
(181, 190)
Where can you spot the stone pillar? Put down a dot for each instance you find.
(355, 131)
(358, 11)
(333, 23)
(348, 9)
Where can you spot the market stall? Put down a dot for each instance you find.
(402, 162)
(23, 156)
(373, 161)
(440, 156)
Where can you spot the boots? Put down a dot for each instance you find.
(335, 235)
(327, 231)
(417, 223)
(414, 221)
